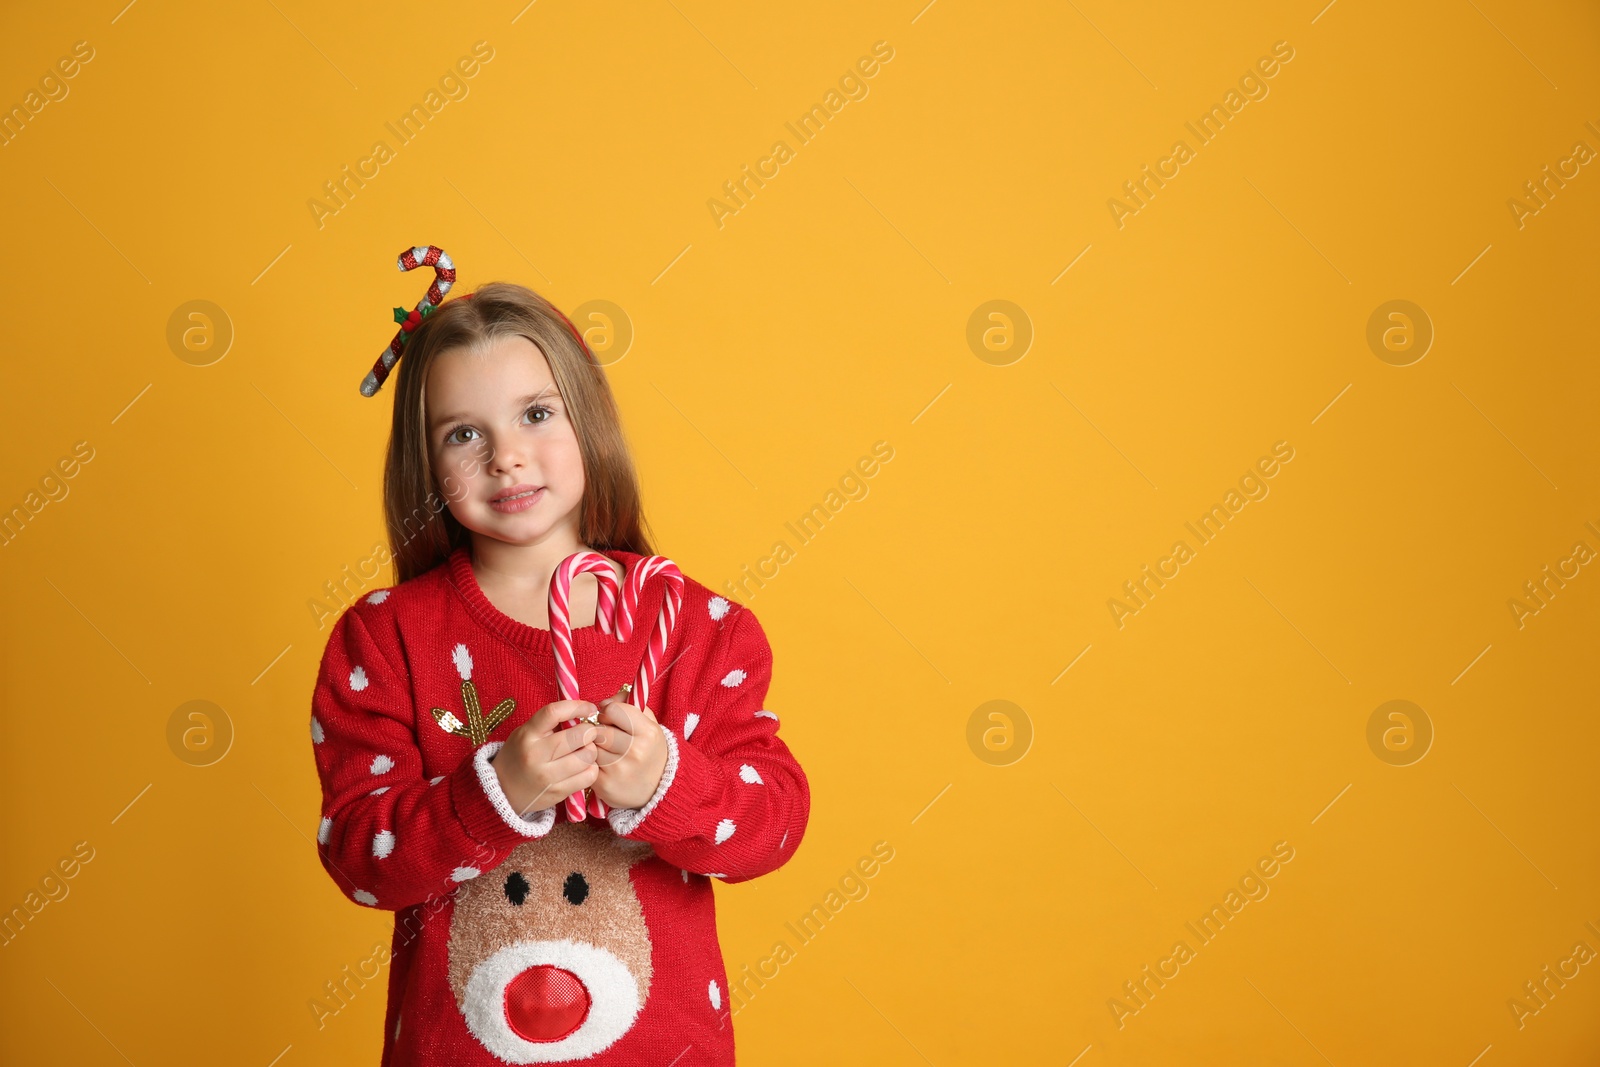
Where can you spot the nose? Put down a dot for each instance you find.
(501, 460)
(505, 451)
(546, 1003)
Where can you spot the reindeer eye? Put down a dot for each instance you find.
(576, 889)
(517, 888)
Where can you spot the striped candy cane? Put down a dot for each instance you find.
(666, 618)
(561, 636)
(611, 618)
(444, 276)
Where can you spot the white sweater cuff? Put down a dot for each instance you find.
(536, 825)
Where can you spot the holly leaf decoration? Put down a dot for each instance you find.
(400, 314)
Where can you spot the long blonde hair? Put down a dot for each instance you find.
(422, 531)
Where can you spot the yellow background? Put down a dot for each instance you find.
(770, 354)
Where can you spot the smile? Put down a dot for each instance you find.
(519, 498)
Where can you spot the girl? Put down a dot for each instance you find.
(522, 936)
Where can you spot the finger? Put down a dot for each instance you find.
(568, 740)
(552, 715)
(620, 695)
(556, 792)
(611, 744)
(604, 759)
(624, 717)
(570, 764)
(610, 738)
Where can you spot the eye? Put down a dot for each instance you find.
(517, 888)
(548, 414)
(451, 437)
(576, 889)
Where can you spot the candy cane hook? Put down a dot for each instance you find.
(561, 638)
(611, 617)
(444, 276)
(666, 618)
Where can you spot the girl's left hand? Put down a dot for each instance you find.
(632, 754)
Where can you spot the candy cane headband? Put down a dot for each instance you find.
(444, 276)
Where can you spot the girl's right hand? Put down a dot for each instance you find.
(539, 766)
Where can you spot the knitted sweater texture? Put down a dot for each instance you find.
(532, 939)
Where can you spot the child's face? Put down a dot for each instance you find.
(497, 426)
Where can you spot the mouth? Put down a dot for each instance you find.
(517, 498)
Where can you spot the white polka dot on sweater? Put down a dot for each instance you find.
(733, 677)
(784, 841)
(379, 791)
(749, 774)
(715, 994)
(685, 872)
(463, 660)
(436, 781)
(464, 874)
(718, 606)
(378, 598)
(724, 830)
(765, 714)
(711, 874)
(382, 843)
(690, 721)
(317, 736)
(358, 679)
(324, 828)
(364, 897)
(381, 764)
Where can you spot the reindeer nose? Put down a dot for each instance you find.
(546, 1003)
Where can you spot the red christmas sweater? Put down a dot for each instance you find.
(535, 939)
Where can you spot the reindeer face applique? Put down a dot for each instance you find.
(549, 953)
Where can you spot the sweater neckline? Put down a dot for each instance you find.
(589, 638)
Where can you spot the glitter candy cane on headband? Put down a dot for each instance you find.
(444, 276)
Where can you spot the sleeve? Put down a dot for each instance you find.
(733, 801)
(390, 838)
